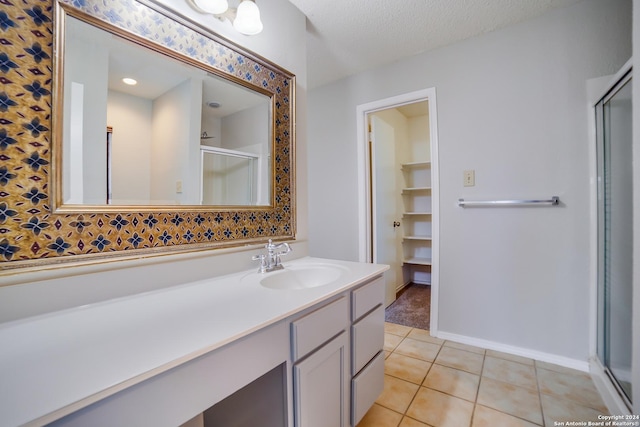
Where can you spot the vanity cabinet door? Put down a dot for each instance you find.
(321, 386)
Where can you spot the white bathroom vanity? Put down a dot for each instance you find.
(297, 347)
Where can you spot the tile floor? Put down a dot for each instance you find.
(431, 382)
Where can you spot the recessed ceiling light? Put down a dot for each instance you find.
(129, 81)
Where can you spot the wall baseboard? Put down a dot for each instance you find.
(580, 365)
(416, 282)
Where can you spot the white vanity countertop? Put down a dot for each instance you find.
(65, 360)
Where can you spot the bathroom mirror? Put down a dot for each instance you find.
(45, 225)
(142, 128)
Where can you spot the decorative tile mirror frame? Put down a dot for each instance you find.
(33, 231)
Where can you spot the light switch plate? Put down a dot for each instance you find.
(469, 178)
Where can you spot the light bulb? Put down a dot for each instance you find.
(215, 7)
(248, 18)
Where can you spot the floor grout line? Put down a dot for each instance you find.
(475, 401)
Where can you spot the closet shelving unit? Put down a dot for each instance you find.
(417, 214)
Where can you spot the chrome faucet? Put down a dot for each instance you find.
(271, 260)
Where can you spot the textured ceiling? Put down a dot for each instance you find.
(345, 37)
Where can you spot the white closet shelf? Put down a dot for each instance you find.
(427, 238)
(418, 261)
(417, 219)
(412, 189)
(416, 165)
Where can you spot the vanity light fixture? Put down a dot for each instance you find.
(215, 7)
(245, 18)
(248, 18)
(129, 81)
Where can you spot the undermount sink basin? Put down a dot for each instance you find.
(302, 276)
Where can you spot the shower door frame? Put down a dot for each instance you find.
(606, 384)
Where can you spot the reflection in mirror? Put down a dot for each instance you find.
(177, 136)
(228, 177)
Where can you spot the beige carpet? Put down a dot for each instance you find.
(412, 308)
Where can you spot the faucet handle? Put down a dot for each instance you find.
(263, 262)
(279, 254)
(287, 248)
(270, 247)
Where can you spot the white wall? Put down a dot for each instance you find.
(419, 139)
(211, 125)
(172, 140)
(511, 106)
(236, 135)
(89, 67)
(130, 118)
(30, 292)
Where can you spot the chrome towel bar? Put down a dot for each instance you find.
(554, 201)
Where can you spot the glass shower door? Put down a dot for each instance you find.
(229, 177)
(615, 234)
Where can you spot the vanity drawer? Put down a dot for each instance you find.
(366, 387)
(367, 297)
(318, 327)
(367, 337)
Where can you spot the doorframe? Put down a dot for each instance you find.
(364, 188)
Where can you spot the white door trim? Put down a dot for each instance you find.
(364, 190)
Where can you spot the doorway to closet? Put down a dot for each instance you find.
(398, 148)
